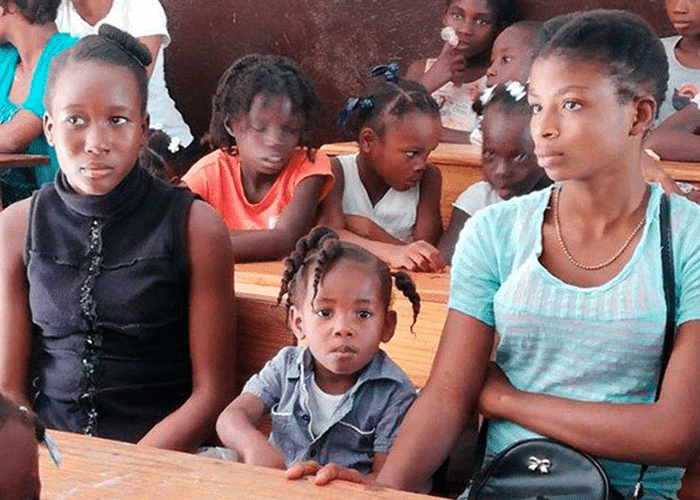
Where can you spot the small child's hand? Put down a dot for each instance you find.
(418, 256)
(450, 64)
(264, 454)
(326, 473)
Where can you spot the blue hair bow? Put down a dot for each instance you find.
(364, 104)
(390, 72)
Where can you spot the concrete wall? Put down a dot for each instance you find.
(334, 41)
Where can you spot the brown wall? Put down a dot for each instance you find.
(334, 41)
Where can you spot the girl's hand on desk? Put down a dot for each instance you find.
(496, 388)
(417, 256)
(326, 473)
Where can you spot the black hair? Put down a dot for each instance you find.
(269, 75)
(35, 11)
(316, 253)
(110, 46)
(552, 25)
(509, 97)
(157, 158)
(533, 31)
(624, 45)
(386, 99)
(504, 11)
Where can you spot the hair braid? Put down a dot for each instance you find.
(407, 286)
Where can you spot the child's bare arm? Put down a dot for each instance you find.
(677, 139)
(294, 222)
(331, 207)
(236, 427)
(449, 238)
(428, 221)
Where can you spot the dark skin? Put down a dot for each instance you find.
(100, 121)
(396, 159)
(474, 23)
(271, 129)
(602, 200)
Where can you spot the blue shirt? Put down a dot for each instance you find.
(365, 423)
(600, 343)
(18, 183)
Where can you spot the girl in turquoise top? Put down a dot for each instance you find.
(571, 279)
(32, 41)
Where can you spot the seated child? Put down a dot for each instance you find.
(386, 197)
(159, 157)
(511, 57)
(683, 56)
(456, 77)
(264, 177)
(509, 163)
(339, 399)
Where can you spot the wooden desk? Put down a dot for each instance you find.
(98, 469)
(460, 165)
(262, 331)
(11, 160)
(684, 172)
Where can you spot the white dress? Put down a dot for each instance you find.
(395, 212)
(139, 18)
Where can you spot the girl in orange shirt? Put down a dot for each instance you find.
(264, 177)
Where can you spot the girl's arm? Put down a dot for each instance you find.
(428, 221)
(237, 429)
(416, 256)
(295, 221)
(677, 139)
(153, 43)
(15, 316)
(212, 335)
(439, 414)
(22, 129)
(663, 433)
(450, 65)
(449, 238)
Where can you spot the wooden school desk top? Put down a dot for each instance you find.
(264, 278)
(98, 469)
(444, 154)
(12, 160)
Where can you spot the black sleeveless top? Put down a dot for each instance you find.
(108, 291)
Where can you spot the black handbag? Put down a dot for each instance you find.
(542, 469)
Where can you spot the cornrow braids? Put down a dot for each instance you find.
(392, 99)
(266, 75)
(315, 253)
(405, 284)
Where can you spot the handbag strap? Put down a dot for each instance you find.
(670, 296)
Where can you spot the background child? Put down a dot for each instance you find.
(386, 197)
(683, 56)
(456, 76)
(509, 163)
(340, 399)
(511, 57)
(264, 178)
(513, 52)
(161, 156)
